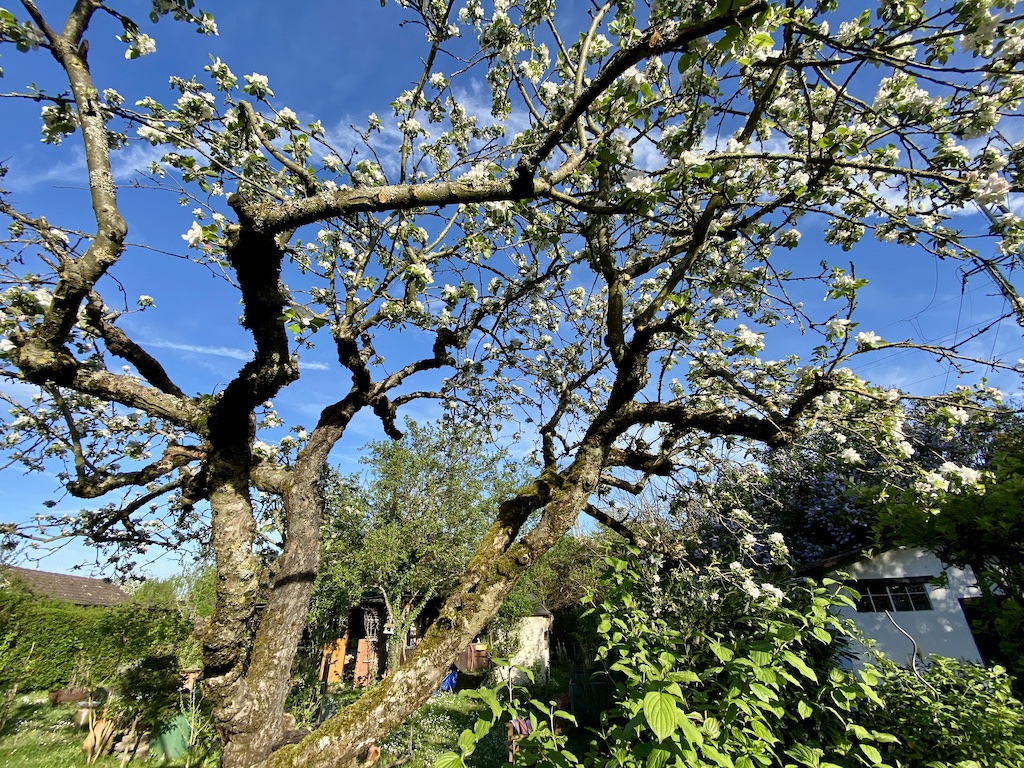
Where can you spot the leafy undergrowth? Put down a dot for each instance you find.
(435, 729)
(39, 735)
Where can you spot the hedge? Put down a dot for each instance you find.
(44, 644)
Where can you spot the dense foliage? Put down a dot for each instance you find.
(711, 666)
(55, 644)
(973, 519)
(829, 492)
(952, 714)
(405, 529)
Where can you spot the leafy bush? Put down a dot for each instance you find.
(711, 665)
(148, 691)
(63, 634)
(952, 714)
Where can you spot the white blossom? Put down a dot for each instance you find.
(140, 45)
(850, 456)
(287, 118)
(772, 593)
(837, 327)
(410, 126)
(748, 338)
(867, 340)
(194, 236)
(751, 588)
(992, 190)
(640, 184)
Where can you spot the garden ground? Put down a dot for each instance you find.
(39, 735)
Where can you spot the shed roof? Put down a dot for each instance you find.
(80, 590)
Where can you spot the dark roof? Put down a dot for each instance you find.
(819, 568)
(79, 590)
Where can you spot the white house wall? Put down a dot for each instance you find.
(534, 650)
(943, 631)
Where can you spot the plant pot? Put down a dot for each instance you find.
(170, 739)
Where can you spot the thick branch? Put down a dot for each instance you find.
(122, 346)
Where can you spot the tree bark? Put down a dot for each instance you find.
(500, 560)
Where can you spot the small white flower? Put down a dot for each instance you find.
(867, 340)
(640, 184)
(207, 25)
(991, 190)
(772, 593)
(634, 78)
(287, 118)
(257, 85)
(194, 236)
(837, 327)
(140, 45)
(850, 456)
(751, 588)
(747, 338)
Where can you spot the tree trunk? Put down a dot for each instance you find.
(346, 738)
(249, 713)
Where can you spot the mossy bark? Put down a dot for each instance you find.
(500, 560)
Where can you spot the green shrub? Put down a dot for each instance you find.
(72, 639)
(950, 714)
(148, 691)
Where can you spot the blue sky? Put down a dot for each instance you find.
(340, 61)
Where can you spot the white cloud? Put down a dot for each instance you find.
(232, 352)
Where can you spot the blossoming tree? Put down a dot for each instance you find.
(630, 208)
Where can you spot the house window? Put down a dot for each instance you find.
(877, 595)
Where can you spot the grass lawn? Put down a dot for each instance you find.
(38, 735)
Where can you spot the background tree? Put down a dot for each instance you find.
(408, 527)
(640, 210)
(822, 492)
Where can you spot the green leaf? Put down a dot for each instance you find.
(761, 658)
(804, 709)
(821, 634)
(661, 713)
(711, 727)
(799, 665)
(449, 760)
(490, 698)
(872, 753)
(718, 757)
(763, 693)
(723, 653)
(481, 728)
(690, 731)
(805, 755)
(658, 757)
(467, 742)
(762, 732)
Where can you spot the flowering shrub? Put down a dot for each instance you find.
(732, 671)
(713, 665)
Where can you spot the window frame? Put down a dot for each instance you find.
(900, 595)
